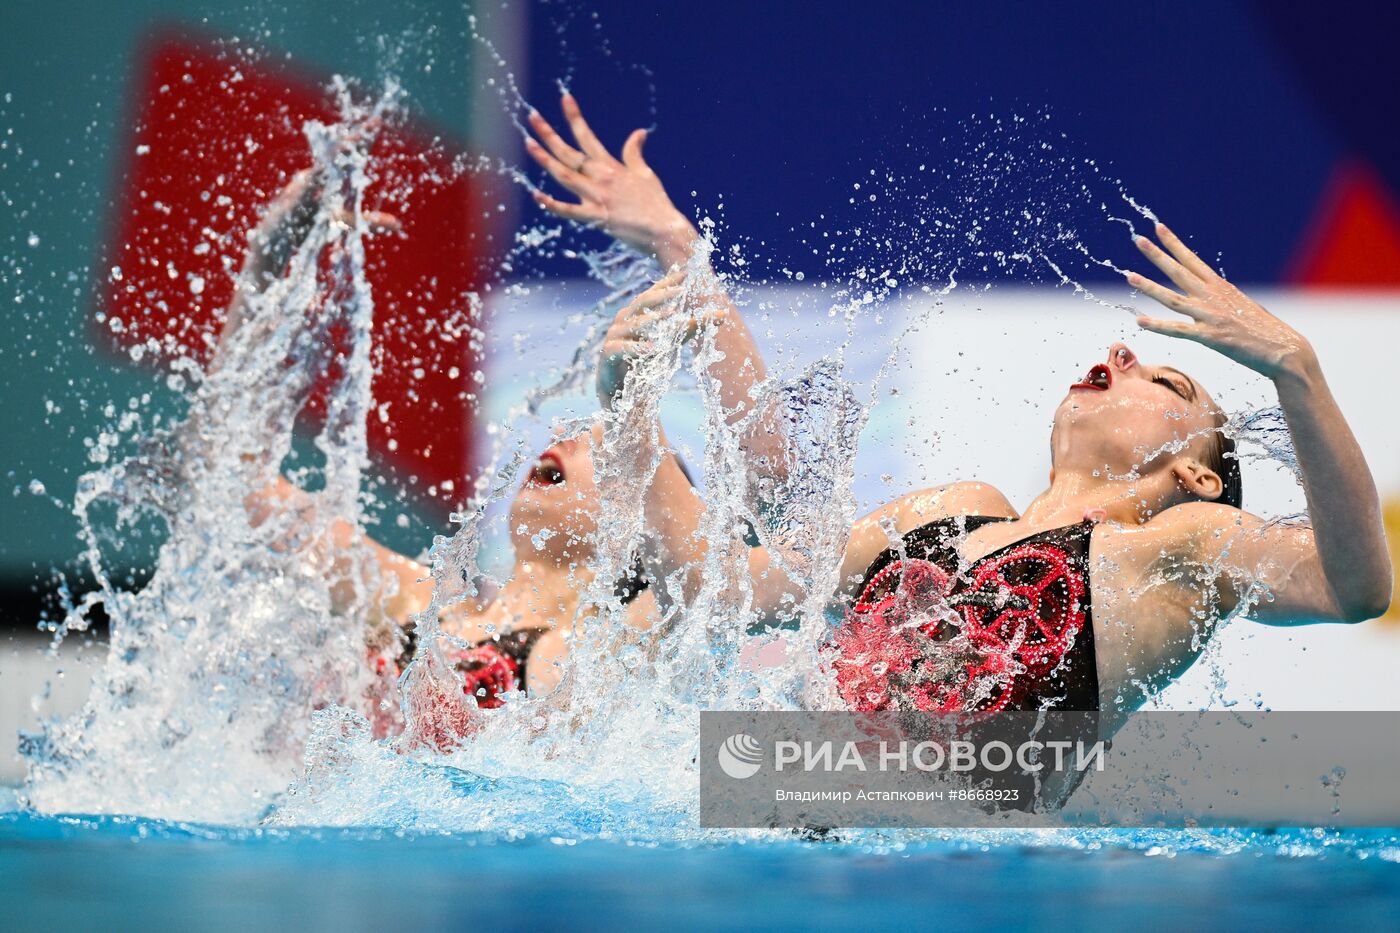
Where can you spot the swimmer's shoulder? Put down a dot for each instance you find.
(870, 535)
(952, 500)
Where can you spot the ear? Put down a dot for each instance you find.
(1198, 479)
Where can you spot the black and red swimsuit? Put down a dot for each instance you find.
(492, 668)
(1010, 631)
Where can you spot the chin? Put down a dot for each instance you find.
(1081, 400)
(531, 508)
(1072, 417)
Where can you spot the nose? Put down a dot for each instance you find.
(1121, 358)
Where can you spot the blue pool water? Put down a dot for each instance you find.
(93, 873)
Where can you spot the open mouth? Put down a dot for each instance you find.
(1099, 378)
(547, 471)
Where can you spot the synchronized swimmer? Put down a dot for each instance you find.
(517, 638)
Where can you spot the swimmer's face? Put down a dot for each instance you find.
(1127, 416)
(559, 501)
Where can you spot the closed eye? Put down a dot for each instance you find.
(1173, 385)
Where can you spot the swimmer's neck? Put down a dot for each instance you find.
(544, 586)
(1073, 496)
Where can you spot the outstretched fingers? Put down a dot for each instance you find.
(643, 322)
(654, 297)
(627, 341)
(583, 134)
(1163, 295)
(1193, 263)
(665, 286)
(558, 148)
(576, 212)
(557, 170)
(382, 222)
(1170, 267)
(1184, 329)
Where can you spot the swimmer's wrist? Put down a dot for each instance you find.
(675, 241)
(1298, 371)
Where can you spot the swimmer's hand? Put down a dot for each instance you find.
(287, 222)
(1222, 317)
(624, 198)
(631, 334)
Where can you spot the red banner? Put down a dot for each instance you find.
(215, 137)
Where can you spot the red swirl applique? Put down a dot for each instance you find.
(916, 639)
(488, 674)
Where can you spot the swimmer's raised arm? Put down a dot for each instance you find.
(284, 227)
(699, 299)
(1338, 570)
(673, 510)
(626, 199)
(622, 197)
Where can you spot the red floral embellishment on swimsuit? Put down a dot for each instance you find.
(916, 578)
(915, 638)
(880, 644)
(488, 673)
(1035, 611)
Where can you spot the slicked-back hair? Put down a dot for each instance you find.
(1222, 460)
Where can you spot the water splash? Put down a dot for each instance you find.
(242, 610)
(255, 614)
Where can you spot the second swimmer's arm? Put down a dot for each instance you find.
(625, 198)
(412, 588)
(674, 549)
(283, 228)
(675, 513)
(738, 371)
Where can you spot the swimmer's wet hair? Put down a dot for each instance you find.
(1222, 460)
(630, 587)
